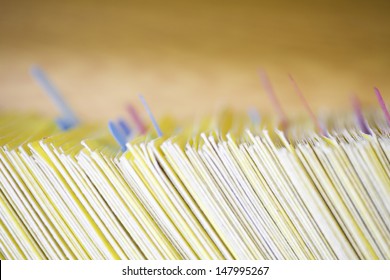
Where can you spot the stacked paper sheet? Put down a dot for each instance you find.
(223, 188)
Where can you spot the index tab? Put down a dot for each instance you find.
(68, 118)
(154, 122)
(361, 121)
(254, 116)
(119, 136)
(136, 118)
(125, 127)
(382, 104)
(307, 106)
(273, 98)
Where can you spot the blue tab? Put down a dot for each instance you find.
(154, 122)
(65, 124)
(68, 118)
(254, 116)
(125, 127)
(119, 136)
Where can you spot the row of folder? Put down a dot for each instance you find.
(225, 187)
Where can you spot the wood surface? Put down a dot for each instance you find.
(190, 57)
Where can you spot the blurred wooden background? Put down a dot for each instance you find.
(189, 57)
